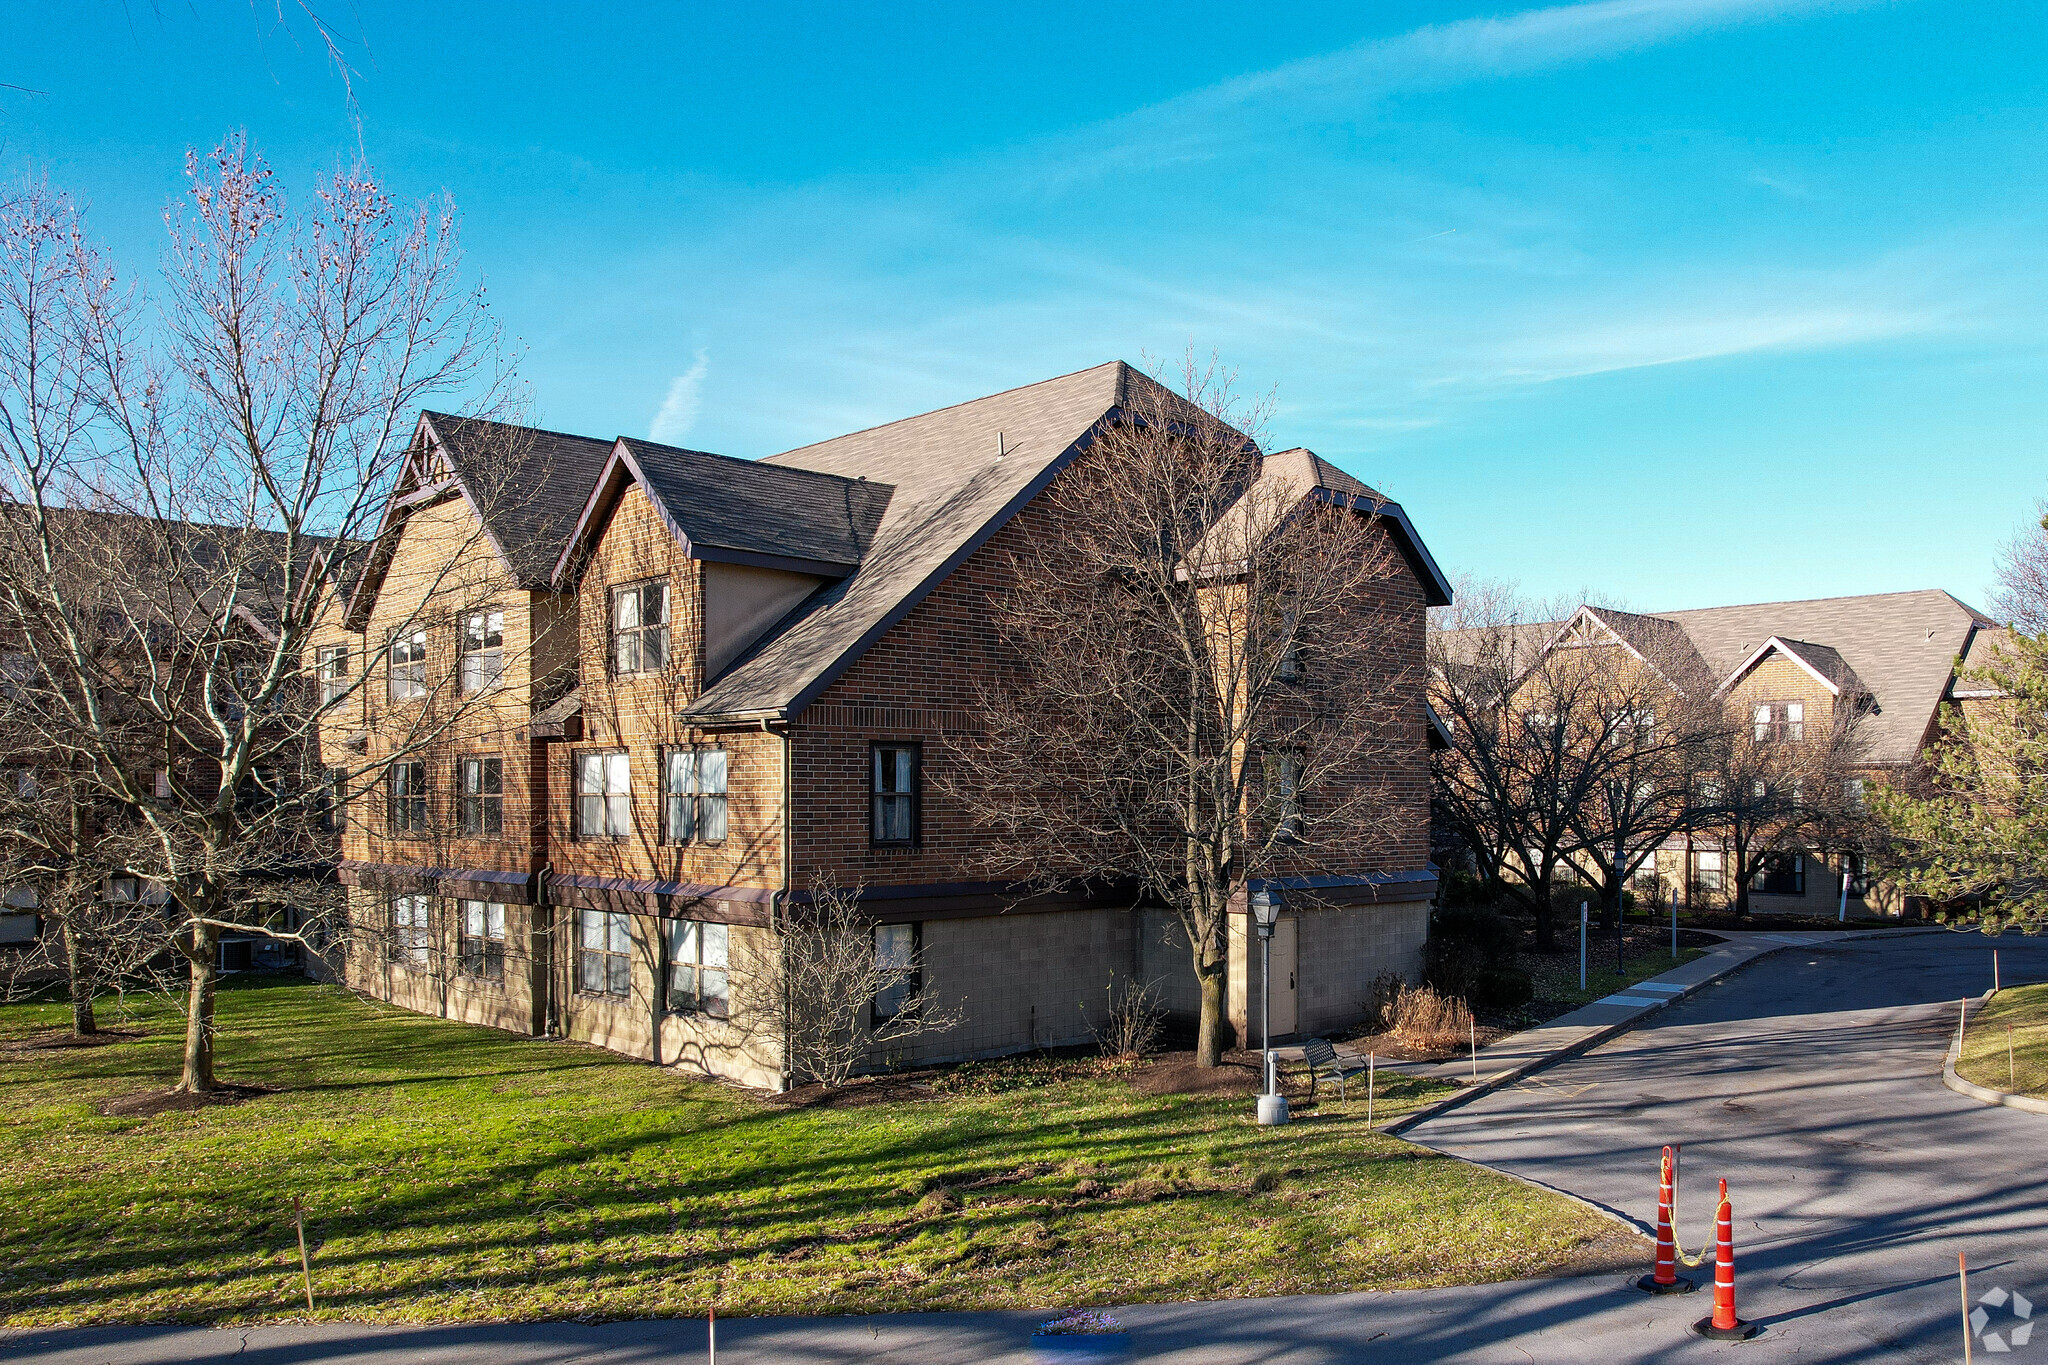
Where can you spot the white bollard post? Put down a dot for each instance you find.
(1372, 1068)
(1842, 917)
(1582, 947)
(1674, 925)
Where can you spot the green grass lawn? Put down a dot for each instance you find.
(1984, 1057)
(452, 1172)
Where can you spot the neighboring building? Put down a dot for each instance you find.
(770, 660)
(1790, 670)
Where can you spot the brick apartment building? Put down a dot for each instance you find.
(711, 680)
(1791, 670)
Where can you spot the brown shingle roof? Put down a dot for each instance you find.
(746, 510)
(959, 474)
(529, 484)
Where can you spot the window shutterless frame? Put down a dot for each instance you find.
(639, 627)
(898, 954)
(483, 649)
(896, 793)
(481, 785)
(604, 953)
(603, 792)
(693, 798)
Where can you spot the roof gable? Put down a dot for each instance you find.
(736, 511)
(1823, 662)
(959, 474)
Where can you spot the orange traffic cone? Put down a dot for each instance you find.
(1724, 1325)
(1666, 1280)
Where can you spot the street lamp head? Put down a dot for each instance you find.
(1265, 912)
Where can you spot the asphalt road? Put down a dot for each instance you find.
(1811, 1080)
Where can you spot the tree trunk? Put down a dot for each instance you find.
(1209, 1038)
(83, 1024)
(198, 1074)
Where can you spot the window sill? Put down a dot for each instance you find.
(606, 996)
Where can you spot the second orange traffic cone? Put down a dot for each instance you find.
(1724, 1325)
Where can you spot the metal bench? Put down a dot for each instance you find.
(1324, 1060)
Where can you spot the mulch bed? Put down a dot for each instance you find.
(46, 1039)
(150, 1103)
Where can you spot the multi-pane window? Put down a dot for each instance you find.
(160, 786)
(693, 791)
(483, 650)
(896, 965)
(604, 953)
(697, 981)
(483, 939)
(1780, 874)
(411, 929)
(640, 628)
(1283, 792)
(893, 792)
(406, 798)
(604, 795)
(1779, 722)
(1706, 869)
(19, 783)
(407, 665)
(1852, 792)
(331, 668)
(482, 786)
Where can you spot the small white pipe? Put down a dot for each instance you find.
(1582, 946)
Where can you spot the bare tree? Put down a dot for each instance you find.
(2022, 597)
(1573, 741)
(183, 478)
(1208, 674)
(828, 999)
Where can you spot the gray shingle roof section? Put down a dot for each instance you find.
(1901, 648)
(1902, 645)
(749, 508)
(529, 484)
(955, 484)
(1662, 644)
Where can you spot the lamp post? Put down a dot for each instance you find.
(1265, 913)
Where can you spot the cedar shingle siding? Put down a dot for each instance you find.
(819, 603)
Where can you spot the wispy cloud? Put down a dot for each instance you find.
(680, 406)
(1209, 121)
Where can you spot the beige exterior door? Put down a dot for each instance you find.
(1286, 961)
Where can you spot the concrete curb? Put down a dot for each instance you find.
(1608, 1032)
(1980, 1093)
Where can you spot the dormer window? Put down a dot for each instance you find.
(640, 628)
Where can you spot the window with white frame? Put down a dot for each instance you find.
(693, 795)
(160, 788)
(483, 650)
(697, 968)
(411, 929)
(604, 953)
(896, 963)
(483, 940)
(1780, 722)
(331, 669)
(407, 666)
(640, 628)
(1852, 792)
(406, 798)
(1706, 869)
(604, 794)
(481, 782)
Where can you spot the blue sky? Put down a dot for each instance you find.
(1682, 301)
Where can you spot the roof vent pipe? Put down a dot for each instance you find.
(999, 445)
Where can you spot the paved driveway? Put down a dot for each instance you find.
(1811, 1080)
